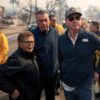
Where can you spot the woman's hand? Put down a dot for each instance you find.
(96, 76)
(15, 94)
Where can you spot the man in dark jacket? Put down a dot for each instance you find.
(46, 50)
(76, 50)
(19, 75)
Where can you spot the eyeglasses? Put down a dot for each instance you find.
(71, 18)
(28, 42)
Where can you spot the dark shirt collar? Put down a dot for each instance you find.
(44, 32)
(26, 54)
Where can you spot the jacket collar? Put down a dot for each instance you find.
(25, 54)
(80, 33)
(44, 32)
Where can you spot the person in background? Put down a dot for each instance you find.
(76, 50)
(19, 75)
(54, 24)
(46, 50)
(84, 24)
(94, 28)
(4, 48)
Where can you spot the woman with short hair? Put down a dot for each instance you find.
(19, 75)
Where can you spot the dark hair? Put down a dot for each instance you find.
(41, 12)
(50, 16)
(95, 23)
(23, 35)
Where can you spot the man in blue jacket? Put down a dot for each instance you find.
(76, 50)
(46, 49)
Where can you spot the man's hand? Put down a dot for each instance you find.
(15, 94)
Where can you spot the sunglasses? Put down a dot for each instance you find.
(71, 18)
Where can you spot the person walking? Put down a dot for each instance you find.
(76, 50)
(19, 75)
(46, 51)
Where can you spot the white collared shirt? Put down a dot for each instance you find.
(73, 40)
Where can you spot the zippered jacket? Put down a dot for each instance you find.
(46, 49)
(76, 61)
(20, 72)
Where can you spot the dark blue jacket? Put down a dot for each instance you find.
(46, 49)
(76, 61)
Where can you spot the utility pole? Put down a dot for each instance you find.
(2, 9)
(35, 5)
(60, 10)
(62, 4)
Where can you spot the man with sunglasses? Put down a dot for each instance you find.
(76, 50)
